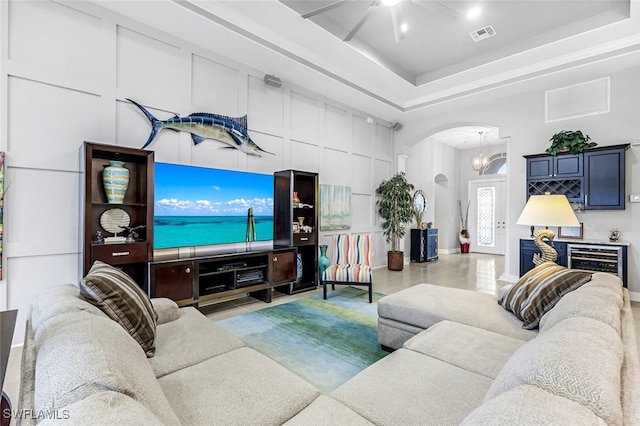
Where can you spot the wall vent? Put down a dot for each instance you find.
(482, 33)
(578, 100)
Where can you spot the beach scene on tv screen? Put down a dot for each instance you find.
(197, 206)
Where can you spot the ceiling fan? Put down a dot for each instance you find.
(399, 26)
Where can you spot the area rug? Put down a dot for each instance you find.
(326, 342)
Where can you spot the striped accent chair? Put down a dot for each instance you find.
(351, 263)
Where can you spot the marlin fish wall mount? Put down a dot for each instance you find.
(202, 125)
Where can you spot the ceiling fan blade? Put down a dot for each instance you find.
(323, 9)
(396, 20)
(372, 8)
(439, 6)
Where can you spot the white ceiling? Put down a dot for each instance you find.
(434, 63)
(437, 42)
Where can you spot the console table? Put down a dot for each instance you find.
(205, 280)
(597, 256)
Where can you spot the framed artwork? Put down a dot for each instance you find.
(574, 232)
(1, 207)
(296, 227)
(335, 207)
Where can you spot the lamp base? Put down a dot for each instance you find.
(548, 253)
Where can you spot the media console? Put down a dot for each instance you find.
(205, 280)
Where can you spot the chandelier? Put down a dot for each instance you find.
(480, 161)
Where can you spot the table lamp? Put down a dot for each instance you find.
(547, 210)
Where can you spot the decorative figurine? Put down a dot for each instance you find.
(614, 235)
(131, 232)
(99, 238)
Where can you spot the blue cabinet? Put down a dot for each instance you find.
(424, 245)
(549, 166)
(604, 179)
(595, 177)
(528, 248)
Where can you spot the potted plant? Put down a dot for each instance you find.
(464, 232)
(574, 142)
(396, 208)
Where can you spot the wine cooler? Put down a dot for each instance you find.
(596, 258)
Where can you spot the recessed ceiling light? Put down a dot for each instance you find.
(390, 2)
(474, 12)
(404, 27)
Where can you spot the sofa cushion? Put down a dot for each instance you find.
(408, 388)
(123, 301)
(425, 304)
(578, 359)
(190, 339)
(104, 408)
(58, 299)
(592, 300)
(83, 354)
(540, 289)
(530, 405)
(327, 412)
(166, 310)
(473, 349)
(242, 387)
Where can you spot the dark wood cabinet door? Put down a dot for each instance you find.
(173, 280)
(282, 267)
(605, 180)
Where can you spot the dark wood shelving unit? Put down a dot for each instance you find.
(285, 213)
(132, 257)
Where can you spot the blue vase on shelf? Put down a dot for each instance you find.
(323, 260)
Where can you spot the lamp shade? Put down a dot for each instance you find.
(548, 210)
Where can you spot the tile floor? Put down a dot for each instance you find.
(471, 271)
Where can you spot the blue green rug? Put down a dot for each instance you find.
(326, 342)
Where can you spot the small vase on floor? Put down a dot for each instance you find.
(115, 179)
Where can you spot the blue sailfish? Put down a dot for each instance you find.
(202, 125)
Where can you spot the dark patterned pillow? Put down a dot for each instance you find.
(117, 295)
(539, 290)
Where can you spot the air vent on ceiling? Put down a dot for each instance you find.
(482, 33)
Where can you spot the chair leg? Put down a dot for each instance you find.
(370, 293)
(324, 290)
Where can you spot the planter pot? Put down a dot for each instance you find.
(395, 260)
(464, 247)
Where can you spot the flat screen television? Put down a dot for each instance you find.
(200, 206)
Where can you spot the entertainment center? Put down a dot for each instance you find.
(206, 280)
(205, 276)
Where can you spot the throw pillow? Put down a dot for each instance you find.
(118, 296)
(539, 290)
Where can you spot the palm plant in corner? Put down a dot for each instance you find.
(395, 205)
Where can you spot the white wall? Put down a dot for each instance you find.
(66, 71)
(520, 116)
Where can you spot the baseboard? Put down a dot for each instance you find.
(634, 296)
(449, 251)
(509, 278)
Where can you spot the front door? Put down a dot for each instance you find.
(487, 216)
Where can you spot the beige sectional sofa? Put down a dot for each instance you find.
(81, 368)
(460, 358)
